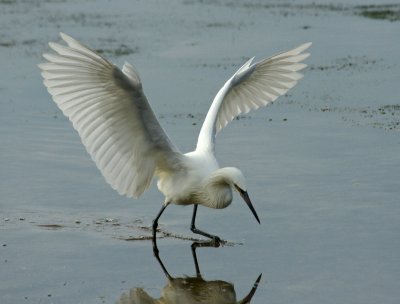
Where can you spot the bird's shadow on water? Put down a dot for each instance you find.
(189, 289)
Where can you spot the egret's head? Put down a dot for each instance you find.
(238, 182)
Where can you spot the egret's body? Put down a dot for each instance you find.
(203, 182)
(119, 129)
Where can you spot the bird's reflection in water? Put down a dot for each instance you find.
(189, 290)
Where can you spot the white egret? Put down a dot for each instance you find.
(108, 108)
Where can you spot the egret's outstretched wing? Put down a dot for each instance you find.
(254, 85)
(109, 110)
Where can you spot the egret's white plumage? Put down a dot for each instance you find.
(120, 131)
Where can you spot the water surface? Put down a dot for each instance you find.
(322, 163)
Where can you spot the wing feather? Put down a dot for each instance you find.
(254, 85)
(109, 110)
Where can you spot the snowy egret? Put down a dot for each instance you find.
(108, 108)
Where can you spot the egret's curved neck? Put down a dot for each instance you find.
(206, 139)
(219, 195)
(219, 189)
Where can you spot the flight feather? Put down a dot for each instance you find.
(254, 85)
(109, 110)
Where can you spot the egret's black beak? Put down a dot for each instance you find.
(246, 198)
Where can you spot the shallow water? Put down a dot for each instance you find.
(322, 163)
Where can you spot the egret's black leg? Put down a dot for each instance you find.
(195, 230)
(194, 246)
(157, 256)
(155, 225)
(196, 263)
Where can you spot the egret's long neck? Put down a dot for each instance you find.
(206, 139)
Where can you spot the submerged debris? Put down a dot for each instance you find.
(384, 117)
(389, 12)
(121, 50)
(51, 226)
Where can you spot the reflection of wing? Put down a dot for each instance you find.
(251, 87)
(109, 110)
(137, 296)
